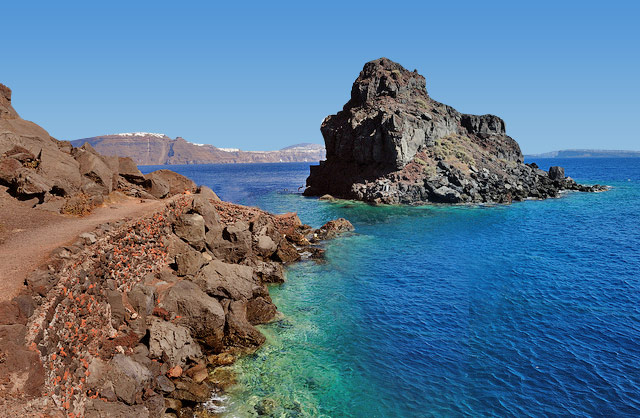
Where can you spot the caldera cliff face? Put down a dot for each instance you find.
(392, 144)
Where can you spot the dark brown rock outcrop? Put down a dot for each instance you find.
(392, 143)
(36, 167)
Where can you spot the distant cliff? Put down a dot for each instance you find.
(155, 149)
(586, 153)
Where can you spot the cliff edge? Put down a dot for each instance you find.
(392, 143)
(54, 175)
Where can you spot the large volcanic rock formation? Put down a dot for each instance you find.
(392, 143)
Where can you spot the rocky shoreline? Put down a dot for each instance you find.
(142, 317)
(139, 317)
(394, 144)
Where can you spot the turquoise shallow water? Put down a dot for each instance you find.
(531, 309)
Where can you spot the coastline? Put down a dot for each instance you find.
(88, 313)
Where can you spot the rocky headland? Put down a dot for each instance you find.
(393, 144)
(54, 175)
(141, 316)
(157, 149)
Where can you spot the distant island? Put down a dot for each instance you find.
(587, 153)
(158, 149)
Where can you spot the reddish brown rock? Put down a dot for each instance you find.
(334, 228)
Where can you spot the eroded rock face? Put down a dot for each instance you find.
(33, 165)
(387, 144)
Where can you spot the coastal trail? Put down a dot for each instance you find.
(28, 236)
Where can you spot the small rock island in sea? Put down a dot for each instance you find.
(393, 144)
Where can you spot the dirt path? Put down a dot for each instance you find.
(27, 236)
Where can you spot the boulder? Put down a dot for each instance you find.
(21, 154)
(218, 246)
(122, 378)
(225, 280)
(446, 194)
(327, 197)
(142, 299)
(184, 258)
(286, 252)
(118, 312)
(334, 228)
(28, 182)
(190, 391)
(556, 173)
(268, 271)
(61, 169)
(93, 167)
(88, 238)
(232, 243)
(130, 378)
(265, 246)
(172, 343)
(198, 373)
(129, 170)
(207, 193)
(177, 183)
(260, 310)
(9, 170)
(203, 206)
(164, 384)
(264, 225)
(190, 227)
(240, 333)
(41, 281)
(202, 314)
(156, 186)
(97, 408)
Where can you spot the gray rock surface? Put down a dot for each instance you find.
(172, 343)
(556, 173)
(202, 314)
(190, 227)
(226, 280)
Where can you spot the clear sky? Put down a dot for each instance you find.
(562, 74)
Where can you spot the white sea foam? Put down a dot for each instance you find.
(213, 404)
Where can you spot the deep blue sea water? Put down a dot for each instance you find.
(529, 309)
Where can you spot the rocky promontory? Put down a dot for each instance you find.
(137, 317)
(392, 143)
(56, 176)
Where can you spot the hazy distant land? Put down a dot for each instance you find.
(587, 153)
(156, 149)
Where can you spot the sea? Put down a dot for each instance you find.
(529, 309)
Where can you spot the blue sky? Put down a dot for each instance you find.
(263, 75)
